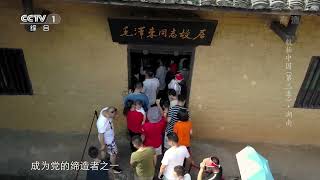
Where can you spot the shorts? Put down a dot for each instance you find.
(165, 178)
(112, 148)
(165, 141)
(158, 150)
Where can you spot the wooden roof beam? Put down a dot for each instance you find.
(286, 33)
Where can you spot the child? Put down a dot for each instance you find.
(138, 105)
(183, 128)
(173, 97)
(180, 174)
(164, 108)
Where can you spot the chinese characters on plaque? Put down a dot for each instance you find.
(152, 33)
(288, 78)
(162, 31)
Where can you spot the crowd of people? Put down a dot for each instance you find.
(161, 75)
(159, 128)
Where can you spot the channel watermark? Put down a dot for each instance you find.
(34, 21)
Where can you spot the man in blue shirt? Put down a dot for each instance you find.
(138, 95)
(99, 168)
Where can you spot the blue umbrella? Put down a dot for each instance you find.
(252, 165)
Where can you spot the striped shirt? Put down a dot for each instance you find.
(173, 114)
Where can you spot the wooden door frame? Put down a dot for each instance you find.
(163, 49)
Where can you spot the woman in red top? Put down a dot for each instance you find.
(173, 67)
(153, 129)
(134, 121)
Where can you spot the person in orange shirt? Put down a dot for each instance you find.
(183, 128)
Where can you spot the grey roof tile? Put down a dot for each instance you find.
(296, 5)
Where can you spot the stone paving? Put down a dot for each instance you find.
(20, 148)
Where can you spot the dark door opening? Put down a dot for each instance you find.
(142, 58)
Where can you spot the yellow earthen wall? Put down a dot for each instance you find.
(237, 89)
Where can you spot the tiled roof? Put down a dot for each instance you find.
(301, 5)
(298, 7)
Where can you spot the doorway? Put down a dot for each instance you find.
(148, 57)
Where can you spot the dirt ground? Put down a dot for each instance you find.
(19, 149)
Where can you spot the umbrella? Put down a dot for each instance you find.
(252, 165)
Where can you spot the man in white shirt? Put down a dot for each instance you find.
(106, 134)
(161, 75)
(174, 83)
(173, 157)
(151, 87)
